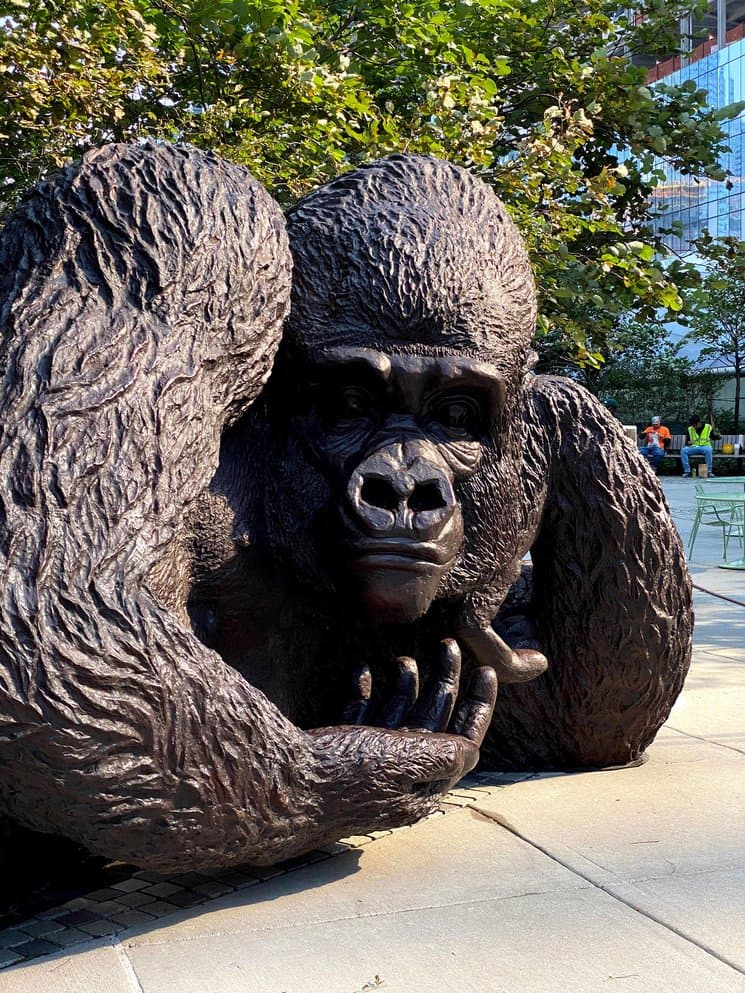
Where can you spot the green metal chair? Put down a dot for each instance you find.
(728, 517)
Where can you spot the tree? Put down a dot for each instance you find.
(72, 76)
(542, 100)
(718, 308)
(646, 375)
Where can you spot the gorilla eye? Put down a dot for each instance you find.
(348, 404)
(461, 415)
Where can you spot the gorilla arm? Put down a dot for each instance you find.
(146, 747)
(611, 596)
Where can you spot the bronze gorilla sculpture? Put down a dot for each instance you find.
(157, 521)
(403, 389)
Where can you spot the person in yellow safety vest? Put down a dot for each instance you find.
(700, 436)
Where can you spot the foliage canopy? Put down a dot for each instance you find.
(717, 308)
(541, 99)
(646, 375)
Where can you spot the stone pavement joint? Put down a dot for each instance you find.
(169, 940)
(698, 737)
(127, 967)
(609, 890)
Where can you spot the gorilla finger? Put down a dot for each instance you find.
(463, 758)
(357, 708)
(510, 666)
(531, 663)
(475, 710)
(435, 707)
(405, 691)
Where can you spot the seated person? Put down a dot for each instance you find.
(700, 436)
(655, 440)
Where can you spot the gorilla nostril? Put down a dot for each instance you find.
(379, 493)
(426, 496)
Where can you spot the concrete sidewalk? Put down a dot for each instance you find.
(630, 880)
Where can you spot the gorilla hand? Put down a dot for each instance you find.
(432, 709)
(392, 777)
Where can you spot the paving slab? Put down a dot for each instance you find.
(450, 858)
(680, 811)
(679, 815)
(103, 969)
(563, 942)
(713, 704)
(706, 906)
(454, 903)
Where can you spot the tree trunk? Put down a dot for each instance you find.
(738, 382)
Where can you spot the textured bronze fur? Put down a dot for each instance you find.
(143, 296)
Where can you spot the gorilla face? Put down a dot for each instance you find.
(394, 434)
(412, 312)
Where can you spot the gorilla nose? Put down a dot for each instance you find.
(382, 493)
(397, 492)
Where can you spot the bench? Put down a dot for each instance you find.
(678, 440)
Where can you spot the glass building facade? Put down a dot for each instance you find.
(717, 65)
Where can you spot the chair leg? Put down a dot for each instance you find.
(727, 533)
(739, 525)
(736, 528)
(694, 531)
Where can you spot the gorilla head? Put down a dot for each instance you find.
(413, 309)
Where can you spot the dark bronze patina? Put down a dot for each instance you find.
(203, 563)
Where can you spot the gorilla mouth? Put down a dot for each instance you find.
(395, 553)
(396, 579)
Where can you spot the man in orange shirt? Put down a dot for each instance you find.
(655, 440)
